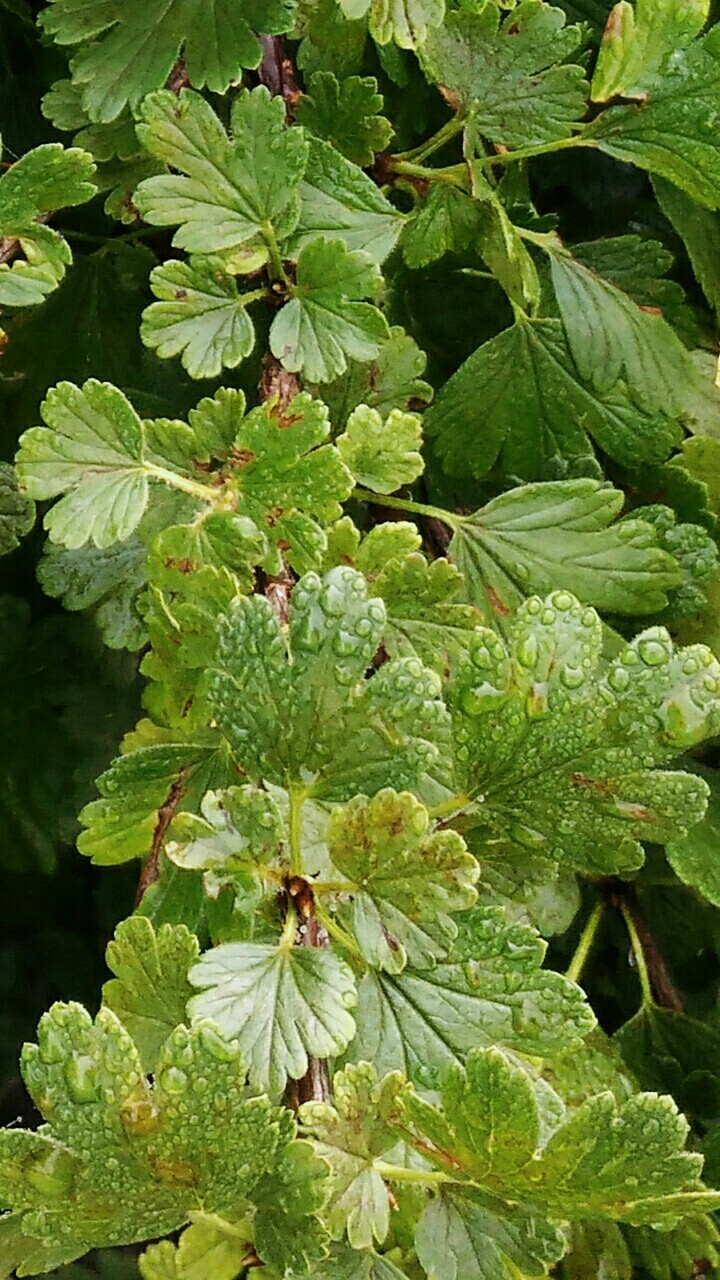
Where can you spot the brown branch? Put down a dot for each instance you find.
(166, 813)
(277, 73)
(314, 1086)
(277, 383)
(178, 78)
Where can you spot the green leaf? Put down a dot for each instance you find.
(694, 857)
(138, 786)
(239, 830)
(345, 113)
(625, 1163)
(561, 534)
(382, 456)
(92, 446)
(565, 754)
(447, 221)
(150, 990)
(210, 1247)
(339, 200)
(597, 1252)
(128, 48)
(505, 77)
(287, 479)
(531, 892)
(500, 243)
(490, 990)
(351, 1134)
(39, 183)
(228, 189)
(17, 511)
(668, 1050)
(639, 42)
(400, 870)
(520, 402)
(669, 131)
(120, 1159)
(317, 720)
(393, 380)
(424, 614)
(201, 315)
(284, 1003)
(324, 322)
(699, 229)
(611, 338)
(107, 580)
(673, 1255)
(468, 1237)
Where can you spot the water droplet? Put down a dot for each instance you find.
(572, 677)
(172, 1080)
(528, 651)
(618, 679)
(562, 600)
(81, 1077)
(653, 651)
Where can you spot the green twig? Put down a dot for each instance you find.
(448, 131)
(584, 946)
(528, 153)
(420, 1177)
(638, 954)
(406, 504)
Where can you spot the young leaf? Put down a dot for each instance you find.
(345, 113)
(520, 402)
(351, 1134)
(201, 315)
(638, 43)
(136, 44)
(399, 871)
(565, 757)
(561, 534)
(324, 322)
(39, 183)
(382, 456)
(404, 21)
(489, 990)
(336, 196)
(150, 990)
(282, 1002)
(17, 511)
(505, 77)
(669, 131)
(228, 189)
(316, 720)
(121, 1160)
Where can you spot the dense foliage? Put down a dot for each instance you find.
(361, 594)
